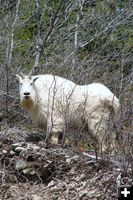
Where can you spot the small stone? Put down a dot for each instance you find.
(83, 193)
(33, 147)
(35, 197)
(2, 174)
(51, 184)
(42, 144)
(68, 160)
(43, 151)
(30, 171)
(19, 149)
(20, 164)
(33, 172)
(13, 146)
(12, 153)
(4, 151)
(1, 116)
(23, 153)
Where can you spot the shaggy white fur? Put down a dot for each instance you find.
(53, 101)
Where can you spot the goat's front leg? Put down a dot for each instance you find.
(55, 128)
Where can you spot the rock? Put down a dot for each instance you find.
(1, 116)
(35, 197)
(20, 144)
(33, 172)
(33, 147)
(74, 158)
(55, 189)
(19, 149)
(34, 137)
(2, 174)
(83, 193)
(30, 171)
(4, 151)
(43, 151)
(51, 184)
(0, 145)
(12, 153)
(23, 153)
(68, 160)
(42, 144)
(81, 177)
(21, 164)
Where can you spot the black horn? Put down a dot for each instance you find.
(30, 74)
(22, 75)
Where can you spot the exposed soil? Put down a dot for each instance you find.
(30, 171)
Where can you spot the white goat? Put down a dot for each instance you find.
(53, 101)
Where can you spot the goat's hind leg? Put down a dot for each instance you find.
(99, 125)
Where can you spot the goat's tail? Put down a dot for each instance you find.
(113, 103)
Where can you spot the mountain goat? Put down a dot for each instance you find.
(53, 101)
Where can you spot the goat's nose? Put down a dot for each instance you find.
(26, 93)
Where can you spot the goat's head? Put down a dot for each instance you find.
(27, 91)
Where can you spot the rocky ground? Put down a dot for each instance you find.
(30, 171)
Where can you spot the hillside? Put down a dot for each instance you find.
(83, 41)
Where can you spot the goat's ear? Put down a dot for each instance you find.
(34, 79)
(19, 78)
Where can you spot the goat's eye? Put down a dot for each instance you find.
(21, 83)
(31, 83)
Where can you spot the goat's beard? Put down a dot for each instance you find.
(28, 104)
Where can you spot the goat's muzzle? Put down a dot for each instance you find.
(26, 95)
